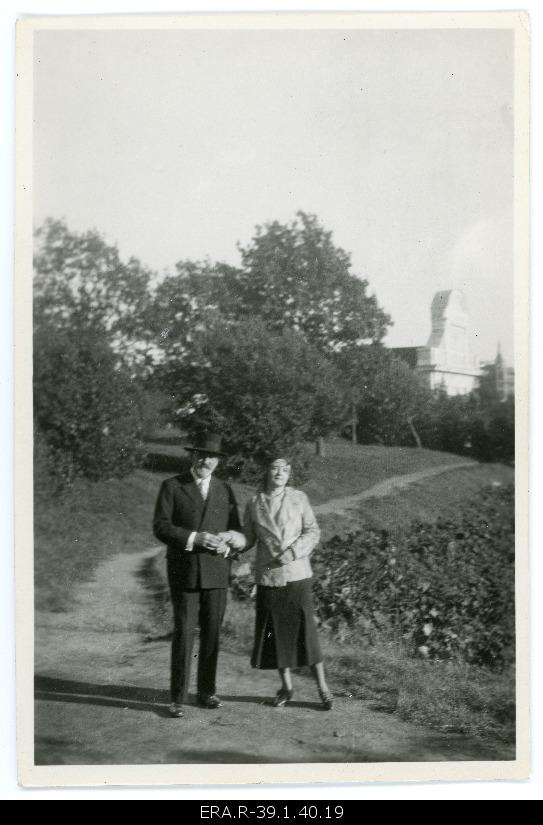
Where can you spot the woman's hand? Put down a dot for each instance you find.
(287, 556)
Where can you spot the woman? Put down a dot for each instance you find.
(280, 521)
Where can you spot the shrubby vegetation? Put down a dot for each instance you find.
(91, 355)
(395, 408)
(446, 589)
(88, 409)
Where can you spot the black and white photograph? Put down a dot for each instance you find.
(274, 275)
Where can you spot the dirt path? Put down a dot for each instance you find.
(102, 692)
(385, 488)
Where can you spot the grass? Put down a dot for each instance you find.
(453, 696)
(346, 470)
(442, 496)
(91, 522)
(343, 471)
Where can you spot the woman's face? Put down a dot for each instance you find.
(278, 473)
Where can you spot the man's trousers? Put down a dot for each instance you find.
(191, 608)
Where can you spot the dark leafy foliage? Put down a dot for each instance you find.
(249, 350)
(264, 392)
(447, 588)
(88, 410)
(294, 276)
(80, 280)
(469, 425)
(389, 397)
(394, 408)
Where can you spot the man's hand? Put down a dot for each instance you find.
(234, 539)
(207, 541)
(223, 550)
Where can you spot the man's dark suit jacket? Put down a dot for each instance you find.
(181, 510)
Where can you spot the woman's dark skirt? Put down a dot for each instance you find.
(285, 630)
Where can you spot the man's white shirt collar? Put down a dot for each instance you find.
(201, 483)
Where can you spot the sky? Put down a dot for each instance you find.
(176, 144)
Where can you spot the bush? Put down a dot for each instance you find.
(88, 411)
(493, 433)
(445, 588)
(392, 397)
(463, 424)
(447, 422)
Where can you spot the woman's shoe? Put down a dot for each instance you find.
(327, 699)
(282, 697)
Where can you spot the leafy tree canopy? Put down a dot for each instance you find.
(88, 409)
(291, 276)
(390, 397)
(80, 281)
(264, 391)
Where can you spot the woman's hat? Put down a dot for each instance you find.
(209, 443)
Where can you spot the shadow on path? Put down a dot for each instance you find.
(268, 700)
(49, 689)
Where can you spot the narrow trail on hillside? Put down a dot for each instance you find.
(102, 691)
(386, 487)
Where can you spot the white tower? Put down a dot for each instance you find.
(447, 359)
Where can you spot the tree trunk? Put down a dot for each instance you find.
(354, 423)
(413, 431)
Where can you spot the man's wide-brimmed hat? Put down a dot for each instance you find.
(208, 443)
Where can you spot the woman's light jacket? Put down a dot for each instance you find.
(284, 540)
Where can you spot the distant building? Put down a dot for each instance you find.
(447, 360)
(498, 378)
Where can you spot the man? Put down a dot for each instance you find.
(191, 509)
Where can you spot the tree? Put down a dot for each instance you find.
(292, 275)
(264, 390)
(182, 306)
(492, 429)
(477, 424)
(448, 421)
(80, 280)
(88, 409)
(390, 398)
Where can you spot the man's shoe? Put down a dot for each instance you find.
(176, 711)
(209, 702)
